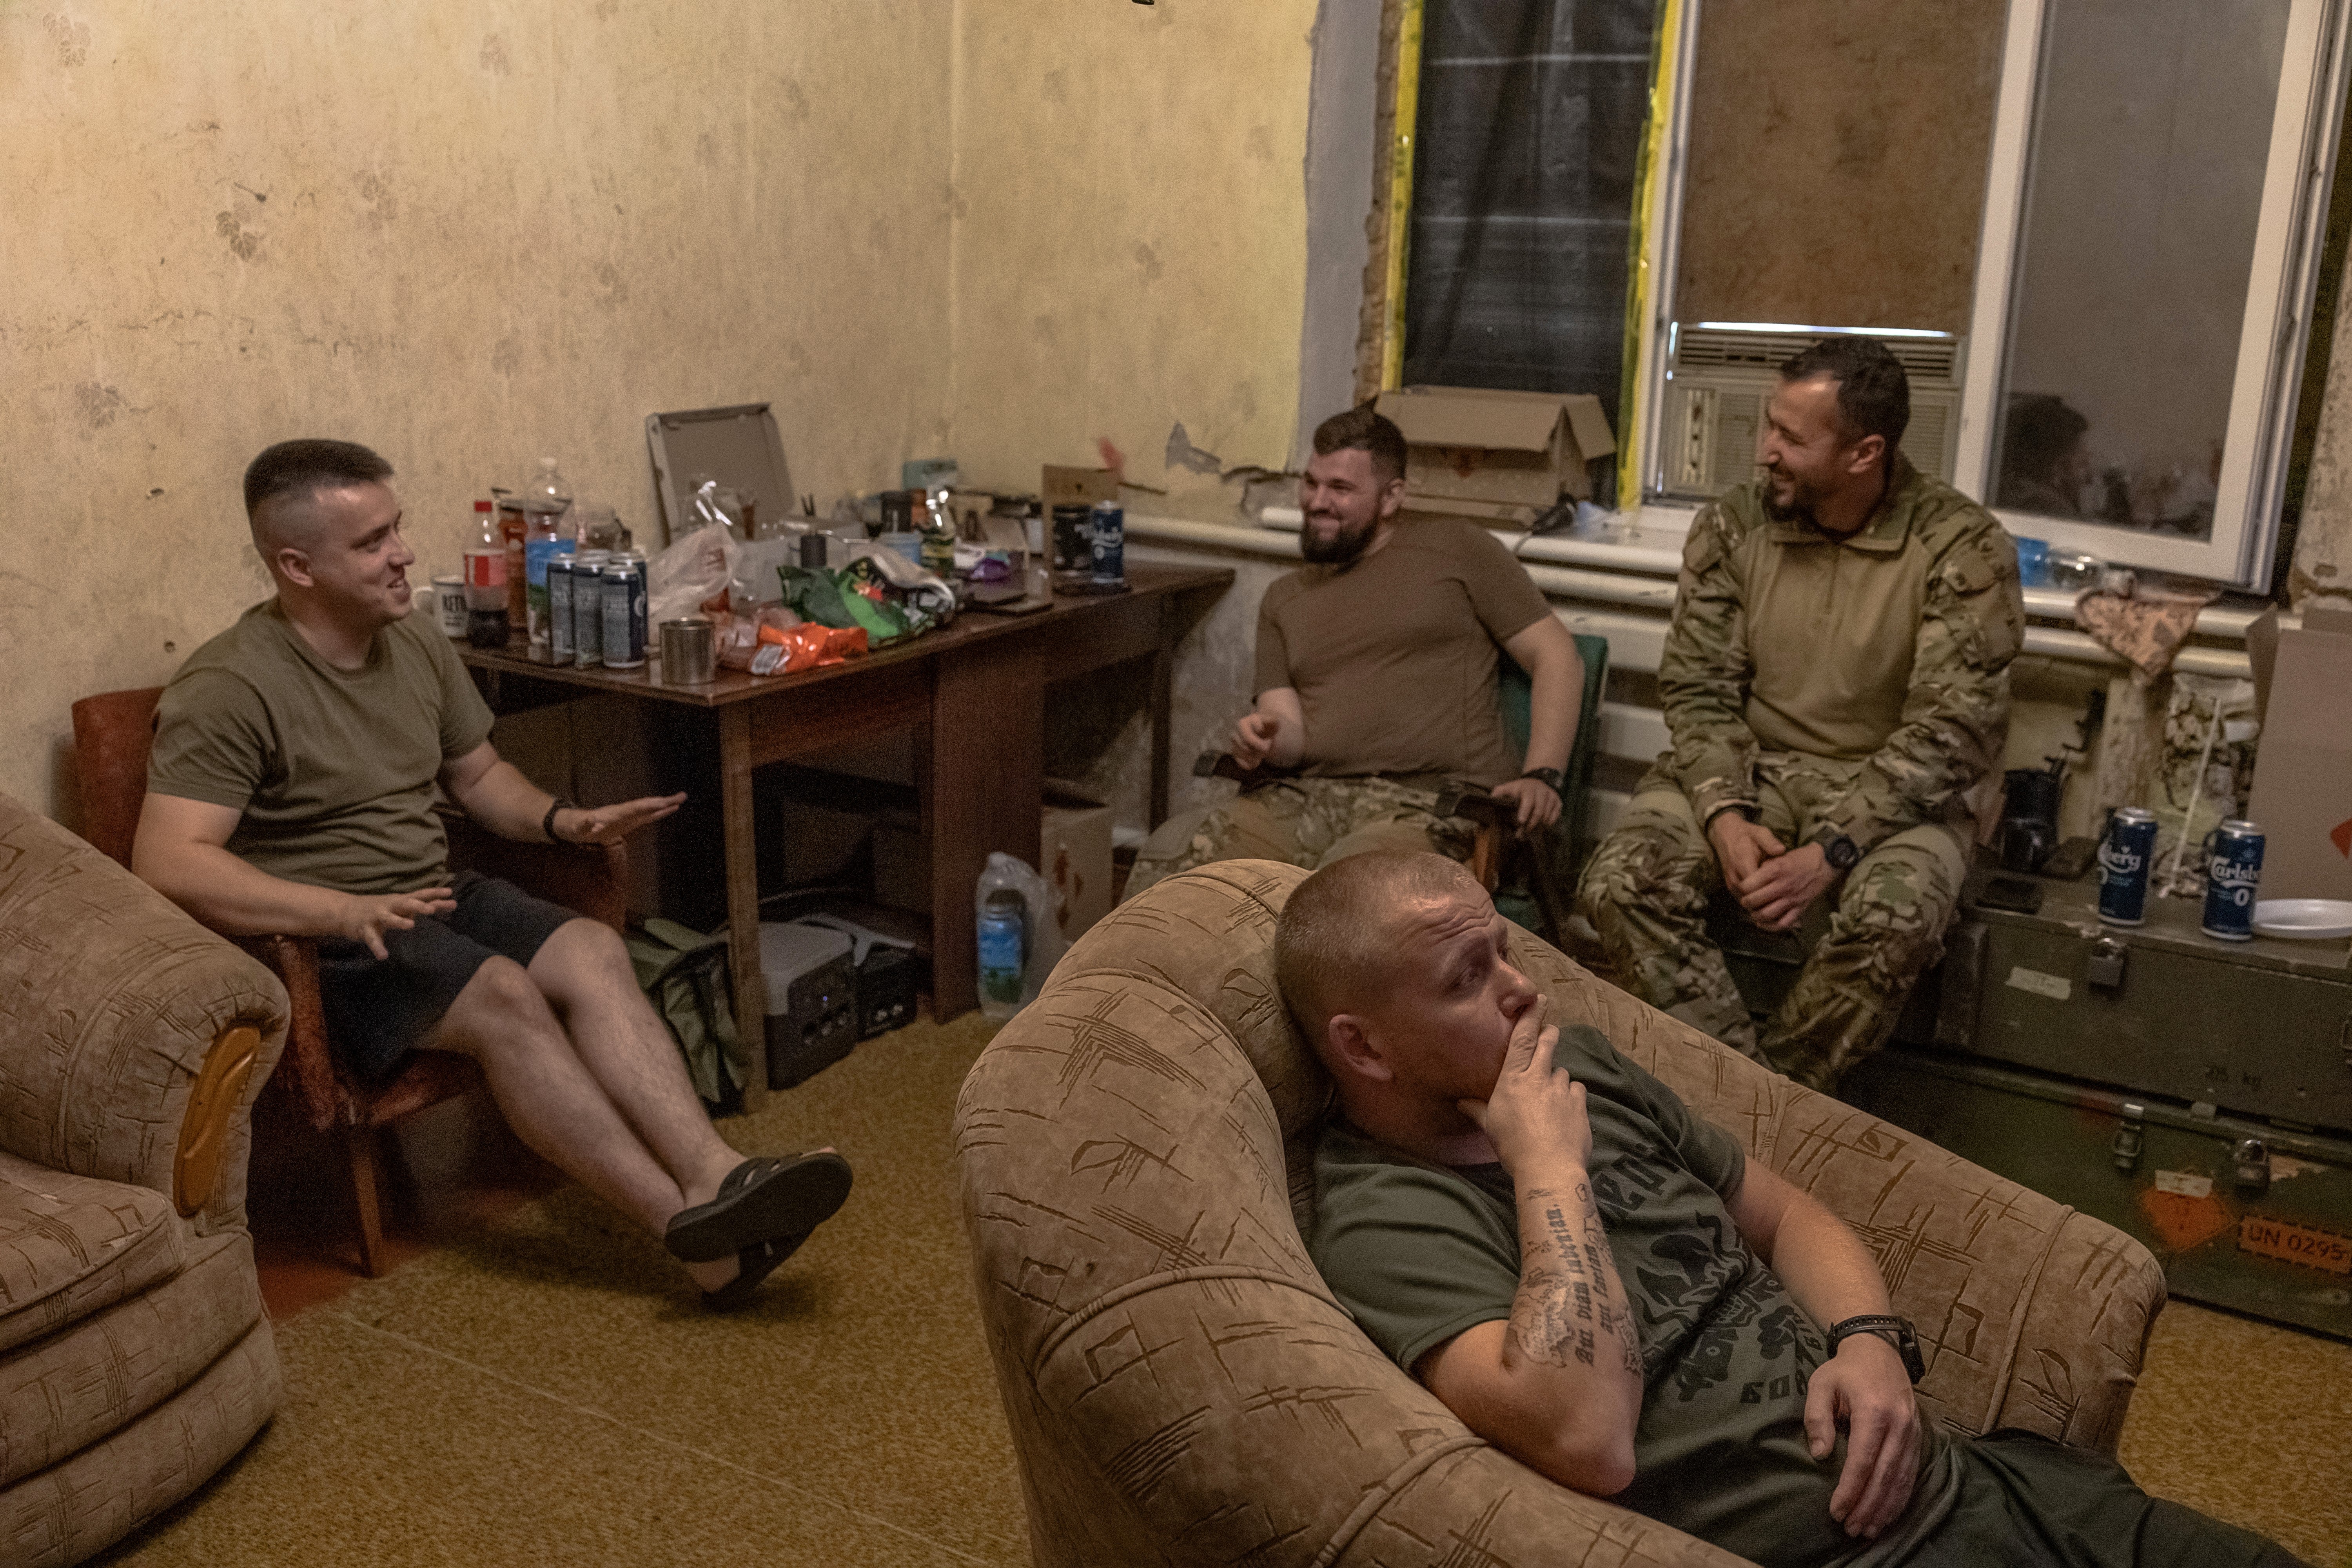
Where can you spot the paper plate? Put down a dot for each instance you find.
(2315, 920)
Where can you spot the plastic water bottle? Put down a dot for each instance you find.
(1003, 952)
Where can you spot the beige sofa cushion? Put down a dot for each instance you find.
(101, 1373)
(71, 1245)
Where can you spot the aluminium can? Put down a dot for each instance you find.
(2124, 852)
(2233, 874)
(1106, 541)
(625, 612)
(588, 608)
(1071, 526)
(559, 609)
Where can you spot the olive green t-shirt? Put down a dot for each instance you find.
(334, 770)
(1419, 1253)
(1393, 655)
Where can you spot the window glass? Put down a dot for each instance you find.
(2151, 128)
(1530, 124)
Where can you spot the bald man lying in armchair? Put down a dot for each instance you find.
(1600, 1284)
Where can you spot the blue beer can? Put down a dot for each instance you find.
(588, 608)
(625, 612)
(1106, 535)
(2234, 872)
(559, 609)
(2123, 854)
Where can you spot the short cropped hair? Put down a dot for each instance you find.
(1873, 396)
(292, 468)
(1331, 944)
(1362, 429)
(2040, 430)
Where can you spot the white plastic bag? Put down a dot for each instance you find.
(1042, 943)
(691, 571)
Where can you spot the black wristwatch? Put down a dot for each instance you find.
(1551, 779)
(547, 823)
(1896, 1331)
(1842, 852)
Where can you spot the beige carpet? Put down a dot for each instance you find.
(550, 1393)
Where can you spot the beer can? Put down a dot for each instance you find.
(2234, 873)
(1106, 541)
(1071, 552)
(2124, 854)
(559, 609)
(625, 612)
(588, 608)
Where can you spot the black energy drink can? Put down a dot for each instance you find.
(2233, 872)
(1106, 541)
(2123, 854)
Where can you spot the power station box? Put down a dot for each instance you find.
(812, 1000)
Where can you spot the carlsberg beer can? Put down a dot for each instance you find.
(2233, 870)
(2123, 854)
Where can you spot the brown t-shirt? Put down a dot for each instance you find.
(1393, 655)
(335, 770)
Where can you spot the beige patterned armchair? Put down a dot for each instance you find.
(1134, 1157)
(135, 1358)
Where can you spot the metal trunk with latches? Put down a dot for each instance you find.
(2243, 1213)
(2260, 1028)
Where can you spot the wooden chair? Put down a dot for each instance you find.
(113, 733)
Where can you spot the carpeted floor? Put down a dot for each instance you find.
(548, 1392)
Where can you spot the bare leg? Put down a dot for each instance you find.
(555, 1105)
(583, 971)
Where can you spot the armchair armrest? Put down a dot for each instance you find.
(133, 1041)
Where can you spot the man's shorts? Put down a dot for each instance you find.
(380, 1009)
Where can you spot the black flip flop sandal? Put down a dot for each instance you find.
(766, 1198)
(754, 1264)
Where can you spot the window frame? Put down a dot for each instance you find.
(2307, 121)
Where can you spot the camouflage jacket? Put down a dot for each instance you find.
(1891, 647)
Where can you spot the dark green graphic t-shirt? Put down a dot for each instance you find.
(1420, 1252)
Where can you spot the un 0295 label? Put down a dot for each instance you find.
(2056, 987)
(2291, 1242)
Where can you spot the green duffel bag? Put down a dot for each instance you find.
(686, 977)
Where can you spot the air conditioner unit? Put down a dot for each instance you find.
(1719, 376)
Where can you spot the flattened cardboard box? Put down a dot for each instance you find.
(1504, 455)
(2302, 770)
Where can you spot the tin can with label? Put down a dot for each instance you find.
(537, 554)
(2234, 873)
(1107, 540)
(625, 612)
(588, 608)
(1071, 553)
(2123, 854)
(559, 609)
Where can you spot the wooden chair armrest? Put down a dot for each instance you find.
(307, 1069)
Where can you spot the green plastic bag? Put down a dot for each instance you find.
(687, 977)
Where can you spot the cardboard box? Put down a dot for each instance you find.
(1074, 844)
(1082, 487)
(1498, 455)
(2303, 768)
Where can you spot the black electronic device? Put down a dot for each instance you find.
(886, 972)
(2014, 894)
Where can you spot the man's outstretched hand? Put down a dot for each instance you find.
(610, 824)
(1864, 1386)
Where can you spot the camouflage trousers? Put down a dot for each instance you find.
(1648, 888)
(1306, 822)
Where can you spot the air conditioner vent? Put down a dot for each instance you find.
(1935, 360)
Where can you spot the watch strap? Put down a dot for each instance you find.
(547, 823)
(1551, 779)
(1897, 1332)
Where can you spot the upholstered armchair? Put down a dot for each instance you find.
(135, 1358)
(1135, 1154)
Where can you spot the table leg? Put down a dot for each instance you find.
(739, 837)
(983, 780)
(1163, 687)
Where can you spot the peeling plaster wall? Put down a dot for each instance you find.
(1130, 237)
(2322, 572)
(466, 232)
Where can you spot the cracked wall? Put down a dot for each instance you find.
(466, 232)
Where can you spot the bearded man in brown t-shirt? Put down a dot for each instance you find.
(1376, 665)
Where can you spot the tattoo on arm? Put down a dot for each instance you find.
(1566, 1306)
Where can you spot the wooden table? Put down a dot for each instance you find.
(977, 688)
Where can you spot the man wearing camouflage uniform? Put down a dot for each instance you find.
(1375, 674)
(1836, 686)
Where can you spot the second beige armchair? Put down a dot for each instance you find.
(1135, 1150)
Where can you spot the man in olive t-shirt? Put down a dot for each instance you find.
(1601, 1285)
(1375, 680)
(298, 758)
